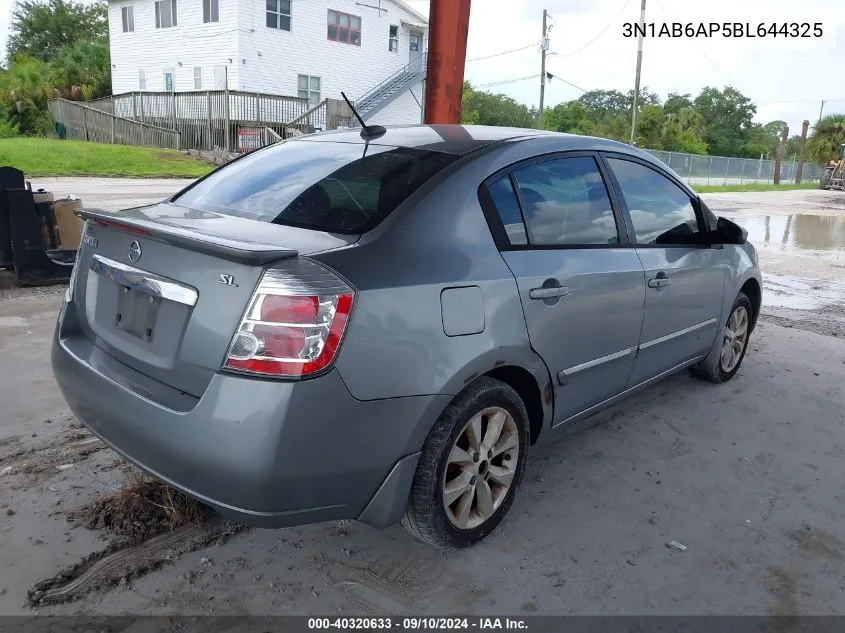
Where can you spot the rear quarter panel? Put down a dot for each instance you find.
(396, 345)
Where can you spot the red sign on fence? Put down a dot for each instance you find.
(248, 139)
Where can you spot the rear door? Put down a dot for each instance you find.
(685, 276)
(581, 287)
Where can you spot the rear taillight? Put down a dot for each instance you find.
(294, 323)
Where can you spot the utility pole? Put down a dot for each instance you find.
(779, 154)
(803, 145)
(543, 47)
(639, 69)
(821, 111)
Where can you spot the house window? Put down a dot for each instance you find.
(197, 78)
(278, 14)
(168, 79)
(309, 88)
(165, 14)
(142, 79)
(210, 11)
(344, 28)
(393, 43)
(128, 16)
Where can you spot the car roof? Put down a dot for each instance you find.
(463, 139)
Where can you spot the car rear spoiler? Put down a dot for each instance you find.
(197, 239)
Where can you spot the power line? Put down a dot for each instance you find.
(568, 83)
(602, 32)
(723, 73)
(516, 50)
(507, 81)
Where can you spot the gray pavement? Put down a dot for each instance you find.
(747, 475)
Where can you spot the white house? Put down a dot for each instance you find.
(308, 48)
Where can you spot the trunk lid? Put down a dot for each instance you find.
(163, 288)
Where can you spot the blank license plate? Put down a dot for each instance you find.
(137, 313)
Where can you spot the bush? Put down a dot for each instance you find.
(8, 129)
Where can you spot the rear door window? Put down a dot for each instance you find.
(333, 187)
(562, 202)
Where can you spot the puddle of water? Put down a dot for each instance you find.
(781, 291)
(797, 234)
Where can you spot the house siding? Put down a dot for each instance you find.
(264, 59)
(305, 49)
(190, 42)
(404, 110)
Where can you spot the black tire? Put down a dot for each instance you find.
(425, 515)
(717, 373)
(824, 179)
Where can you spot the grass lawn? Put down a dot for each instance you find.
(753, 187)
(53, 157)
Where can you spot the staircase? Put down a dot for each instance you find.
(383, 94)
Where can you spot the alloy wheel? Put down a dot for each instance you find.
(736, 336)
(480, 468)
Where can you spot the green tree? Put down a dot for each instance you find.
(571, 117)
(81, 71)
(676, 102)
(727, 114)
(485, 108)
(24, 90)
(42, 28)
(601, 103)
(683, 131)
(650, 127)
(828, 135)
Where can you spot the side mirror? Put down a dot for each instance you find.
(728, 232)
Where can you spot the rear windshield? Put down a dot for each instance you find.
(332, 187)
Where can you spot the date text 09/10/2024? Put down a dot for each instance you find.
(725, 29)
(415, 624)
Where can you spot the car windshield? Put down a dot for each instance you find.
(334, 187)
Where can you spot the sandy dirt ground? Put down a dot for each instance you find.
(747, 475)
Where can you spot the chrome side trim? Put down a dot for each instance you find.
(564, 376)
(678, 334)
(624, 394)
(142, 281)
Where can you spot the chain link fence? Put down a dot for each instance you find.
(720, 170)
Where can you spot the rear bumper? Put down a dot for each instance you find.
(267, 453)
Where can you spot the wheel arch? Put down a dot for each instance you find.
(525, 385)
(751, 289)
(521, 369)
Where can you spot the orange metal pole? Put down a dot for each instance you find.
(447, 50)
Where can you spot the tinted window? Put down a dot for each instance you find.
(565, 202)
(661, 212)
(322, 186)
(504, 199)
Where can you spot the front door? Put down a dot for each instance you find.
(415, 50)
(168, 79)
(581, 288)
(685, 277)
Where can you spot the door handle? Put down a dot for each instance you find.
(659, 282)
(549, 292)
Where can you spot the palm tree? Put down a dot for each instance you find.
(828, 136)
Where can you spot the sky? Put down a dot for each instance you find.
(786, 78)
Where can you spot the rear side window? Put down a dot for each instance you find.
(504, 199)
(333, 187)
(661, 212)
